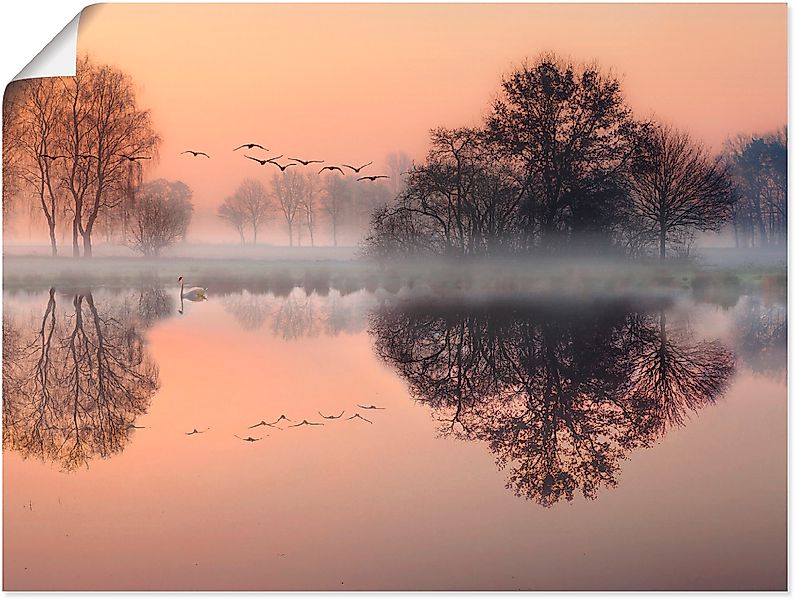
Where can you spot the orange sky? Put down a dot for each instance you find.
(354, 82)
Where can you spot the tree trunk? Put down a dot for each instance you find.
(53, 241)
(289, 231)
(662, 243)
(88, 251)
(75, 240)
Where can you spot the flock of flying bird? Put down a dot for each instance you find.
(304, 422)
(262, 161)
(305, 163)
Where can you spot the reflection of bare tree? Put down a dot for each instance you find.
(559, 399)
(295, 317)
(154, 304)
(670, 375)
(250, 310)
(761, 335)
(75, 387)
(299, 313)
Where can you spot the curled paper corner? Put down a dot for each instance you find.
(58, 58)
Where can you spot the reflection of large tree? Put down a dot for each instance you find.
(559, 399)
(73, 389)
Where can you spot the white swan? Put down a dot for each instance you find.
(196, 294)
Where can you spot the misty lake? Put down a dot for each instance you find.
(630, 441)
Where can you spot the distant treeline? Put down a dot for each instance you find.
(561, 163)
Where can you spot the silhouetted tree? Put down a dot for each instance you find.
(233, 212)
(677, 187)
(161, 217)
(38, 110)
(12, 152)
(255, 203)
(572, 136)
(289, 188)
(758, 166)
(103, 126)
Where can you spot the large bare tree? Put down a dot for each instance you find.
(105, 130)
(289, 188)
(36, 132)
(676, 186)
(255, 203)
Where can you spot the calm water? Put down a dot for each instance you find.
(544, 444)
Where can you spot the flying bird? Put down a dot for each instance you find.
(281, 418)
(195, 431)
(373, 177)
(264, 161)
(195, 153)
(305, 162)
(285, 167)
(51, 157)
(135, 158)
(265, 424)
(332, 168)
(357, 169)
(305, 422)
(370, 407)
(134, 426)
(330, 416)
(249, 146)
(358, 416)
(248, 439)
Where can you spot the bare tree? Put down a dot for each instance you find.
(253, 199)
(397, 165)
(12, 151)
(289, 188)
(39, 118)
(677, 187)
(758, 167)
(104, 129)
(234, 213)
(161, 217)
(338, 194)
(309, 203)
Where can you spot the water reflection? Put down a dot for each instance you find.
(74, 384)
(761, 335)
(300, 313)
(560, 396)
